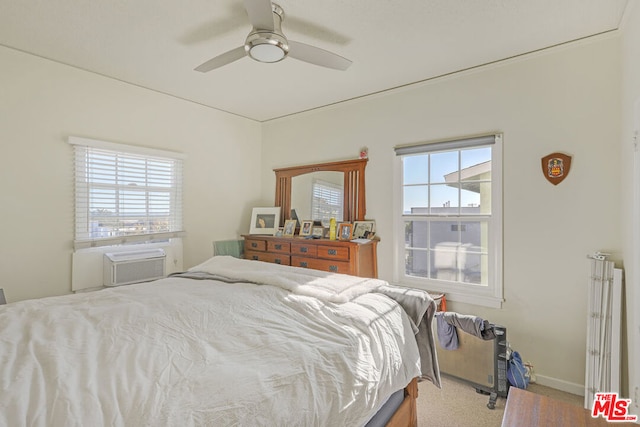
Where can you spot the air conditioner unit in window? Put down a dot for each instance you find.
(124, 268)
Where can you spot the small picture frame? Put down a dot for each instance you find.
(362, 229)
(317, 232)
(305, 227)
(289, 227)
(265, 221)
(345, 231)
(326, 233)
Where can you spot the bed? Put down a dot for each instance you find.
(228, 342)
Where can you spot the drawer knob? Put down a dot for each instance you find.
(254, 257)
(332, 252)
(333, 268)
(254, 245)
(304, 249)
(278, 261)
(303, 264)
(278, 246)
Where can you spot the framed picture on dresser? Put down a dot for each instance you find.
(363, 229)
(305, 228)
(317, 232)
(345, 231)
(265, 221)
(289, 227)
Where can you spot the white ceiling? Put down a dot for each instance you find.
(156, 44)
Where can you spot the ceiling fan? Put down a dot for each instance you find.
(267, 43)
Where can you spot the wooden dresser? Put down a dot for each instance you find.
(336, 256)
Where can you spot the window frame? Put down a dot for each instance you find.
(81, 220)
(491, 295)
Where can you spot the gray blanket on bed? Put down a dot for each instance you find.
(418, 305)
(421, 309)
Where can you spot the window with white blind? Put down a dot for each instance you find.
(326, 200)
(125, 193)
(449, 223)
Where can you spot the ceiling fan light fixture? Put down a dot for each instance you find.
(267, 52)
(266, 46)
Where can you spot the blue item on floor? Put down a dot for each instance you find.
(516, 372)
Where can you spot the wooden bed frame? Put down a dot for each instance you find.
(407, 415)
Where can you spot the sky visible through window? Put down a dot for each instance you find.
(417, 178)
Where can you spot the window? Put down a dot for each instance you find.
(449, 222)
(326, 201)
(125, 194)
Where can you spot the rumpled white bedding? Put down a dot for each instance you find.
(182, 352)
(329, 287)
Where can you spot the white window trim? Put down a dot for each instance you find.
(144, 151)
(489, 296)
(106, 145)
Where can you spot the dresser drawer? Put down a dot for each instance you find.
(279, 247)
(268, 257)
(341, 267)
(304, 249)
(333, 252)
(344, 257)
(255, 245)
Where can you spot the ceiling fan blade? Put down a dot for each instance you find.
(317, 56)
(224, 59)
(260, 14)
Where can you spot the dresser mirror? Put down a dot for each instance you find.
(322, 190)
(318, 195)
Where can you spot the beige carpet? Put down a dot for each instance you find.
(458, 405)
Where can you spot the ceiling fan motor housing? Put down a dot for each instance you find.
(267, 45)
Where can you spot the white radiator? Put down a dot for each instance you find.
(124, 268)
(603, 329)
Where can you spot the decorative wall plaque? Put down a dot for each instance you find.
(555, 167)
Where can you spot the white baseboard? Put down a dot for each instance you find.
(561, 385)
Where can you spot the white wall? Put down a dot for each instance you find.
(630, 184)
(43, 102)
(566, 99)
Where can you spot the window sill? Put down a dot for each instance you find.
(459, 296)
(484, 301)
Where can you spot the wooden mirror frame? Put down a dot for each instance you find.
(354, 203)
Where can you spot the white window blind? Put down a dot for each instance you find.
(326, 201)
(125, 194)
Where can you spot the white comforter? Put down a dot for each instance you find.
(182, 352)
